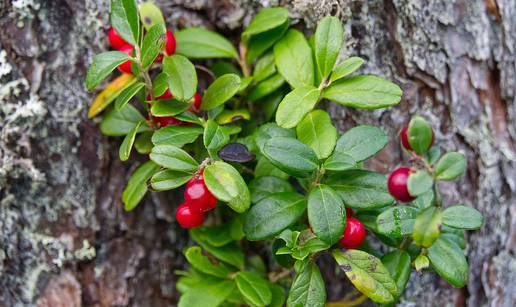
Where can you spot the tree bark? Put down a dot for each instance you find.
(65, 239)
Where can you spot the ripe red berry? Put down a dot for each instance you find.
(126, 66)
(404, 138)
(354, 233)
(197, 100)
(115, 40)
(397, 184)
(349, 212)
(188, 218)
(166, 95)
(168, 121)
(198, 197)
(170, 46)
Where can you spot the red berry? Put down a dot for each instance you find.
(115, 40)
(197, 100)
(397, 184)
(126, 66)
(198, 197)
(349, 212)
(168, 121)
(166, 95)
(404, 138)
(170, 46)
(188, 218)
(354, 233)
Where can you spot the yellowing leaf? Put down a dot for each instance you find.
(110, 93)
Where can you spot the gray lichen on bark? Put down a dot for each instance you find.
(64, 237)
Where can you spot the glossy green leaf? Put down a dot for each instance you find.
(214, 135)
(218, 235)
(160, 84)
(273, 214)
(462, 217)
(182, 77)
(329, 37)
(271, 130)
(278, 295)
(265, 168)
(124, 18)
(266, 19)
(189, 117)
(230, 253)
(361, 189)
(220, 91)
(308, 288)
(137, 185)
(419, 135)
(266, 87)
(227, 185)
(296, 105)
(254, 288)
(174, 158)
(168, 107)
(451, 166)
(102, 65)
(264, 67)
(419, 182)
(427, 227)
(347, 67)
(326, 214)
(364, 92)
(293, 57)
(212, 292)
(260, 43)
(317, 131)
(199, 43)
(362, 142)
(263, 187)
(368, 275)
(433, 154)
(126, 95)
(203, 264)
(142, 143)
(398, 265)
(176, 135)
(120, 122)
(127, 144)
(448, 260)
(153, 43)
(169, 179)
(396, 221)
(339, 161)
(232, 116)
(291, 156)
(150, 15)
(421, 262)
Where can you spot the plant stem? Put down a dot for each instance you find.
(242, 62)
(406, 243)
(148, 82)
(275, 276)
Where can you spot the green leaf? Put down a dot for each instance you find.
(296, 105)
(110, 93)
(232, 116)
(419, 182)
(264, 67)
(220, 91)
(362, 142)
(189, 117)
(263, 187)
(364, 92)
(127, 144)
(451, 166)
(199, 43)
(203, 264)
(273, 214)
(254, 288)
(368, 275)
(421, 262)
(432, 155)
(160, 84)
(463, 217)
(427, 227)
(398, 265)
(267, 19)
(176, 135)
(329, 37)
(396, 221)
(361, 189)
(150, 15)
(153, 43)
(308, 288)
(293, 57)
(124, 18)
(214, 135)
(347, 67)
(419, 135)
(230, 253)
(326, 214)
(143, 143)
(271, 130)
(120, 122)
(266, 87)
(173, 158)
(245, 82)
(182, 78)
(137, 185)
(317, 131)
(168, 107)
(102, 65)
(424, 200)
(339, 161)
(218, 235)
(212, 292)
(260, 43)
(448, 261)
(291, 156)
(278, 295)
(265, 168)
(127, 94)
(226, 184)
(169, 179)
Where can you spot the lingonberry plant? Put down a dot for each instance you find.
(268, 177)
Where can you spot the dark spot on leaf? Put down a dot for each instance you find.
(346, 267)
(236, 118)
(236, 152)
(148, 20)
(352, 277)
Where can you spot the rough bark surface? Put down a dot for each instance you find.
(64, 238)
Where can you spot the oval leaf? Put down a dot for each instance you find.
(362, 142)
(236, 152)
(254, 288)
(448, 261)
(152, 44)
(329, 37)
(203, 264)
(182, 78)
(263, 187)
(137, 185)
(120, 122)
(347, 67)
(291, 156)
(127, 144)
(295, 105)
(397, 221)
(169, 179)
(308, 288)
(176, 135)
(293, 57)
(173, 158)
(398, 264)
(102, 65)
(220, 91)
(226, 184)
(124, 18)
(463, 217)
(326, 214)
(267, 19)
(127, 94)
(317, 131)
(419, 182)
(419, 134)
(450, 166)
(427, 227)
(199, 43)
(150, 15)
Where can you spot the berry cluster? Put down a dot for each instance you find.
(197, 201)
